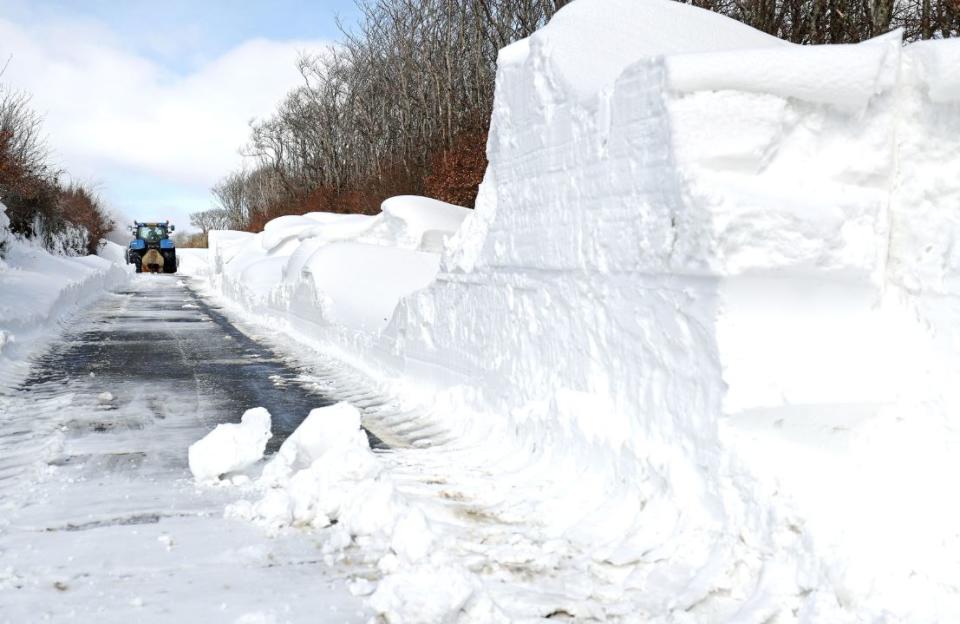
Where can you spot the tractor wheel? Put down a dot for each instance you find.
(137, 262)
(169, 263)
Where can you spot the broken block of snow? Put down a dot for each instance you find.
(231, 447)
(325, 471)
(324, 429)
(423, 594)
(412, 538)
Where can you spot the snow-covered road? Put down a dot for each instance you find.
(99, 517)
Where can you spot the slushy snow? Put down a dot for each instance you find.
(230, 447)
(692, 358)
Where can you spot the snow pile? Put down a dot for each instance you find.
(38, 290)
(325, 476)
(709, 290)
(324, 472)
(425, 594)
(714, 236)
(324, 430)
(334, 274)
(230, 447)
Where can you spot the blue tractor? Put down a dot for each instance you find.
(152, 249)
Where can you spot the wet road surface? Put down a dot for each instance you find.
(159, 348)
(99, 517)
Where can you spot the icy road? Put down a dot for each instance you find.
(99, 517)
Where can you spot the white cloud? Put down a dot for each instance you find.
(110, 112)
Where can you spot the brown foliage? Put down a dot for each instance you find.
(456, 172)
(80, 206)
(37, 202)
(11, 171)
(322, 199)
(185, 240)
(399, 107)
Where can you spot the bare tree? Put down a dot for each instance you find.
(416, 77)
(214, 219)
(230, 194)
(402, 103)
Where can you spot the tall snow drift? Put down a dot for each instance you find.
(697, 251)
(686, 229)
(338, 274)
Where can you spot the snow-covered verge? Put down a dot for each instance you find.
(39, 289)
(192, 261)
(700, 330)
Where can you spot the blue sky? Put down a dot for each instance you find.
(150, 101)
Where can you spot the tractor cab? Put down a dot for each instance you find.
(152, 242)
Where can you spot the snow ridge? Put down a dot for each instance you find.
(38, 290)
(694, 254)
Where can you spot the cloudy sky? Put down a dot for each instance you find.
(151, 100)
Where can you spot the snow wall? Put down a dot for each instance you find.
(685, 224)
(39, 289)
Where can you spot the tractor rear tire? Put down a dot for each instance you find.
(169, 263)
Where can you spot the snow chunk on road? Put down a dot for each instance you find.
(323, 430)
(412, 538)
(231, 447)
(324, 471)
(423, 594)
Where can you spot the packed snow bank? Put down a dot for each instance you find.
(364, 297)
(230, 447)
(845, 77)
(418, 221)
(334, 274)
(192, 261)
(935, 65)
(589, 52)
(697, 251)
(38, 290)
(690, 239)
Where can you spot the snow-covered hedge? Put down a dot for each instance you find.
(38, 289)
(697, 250)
